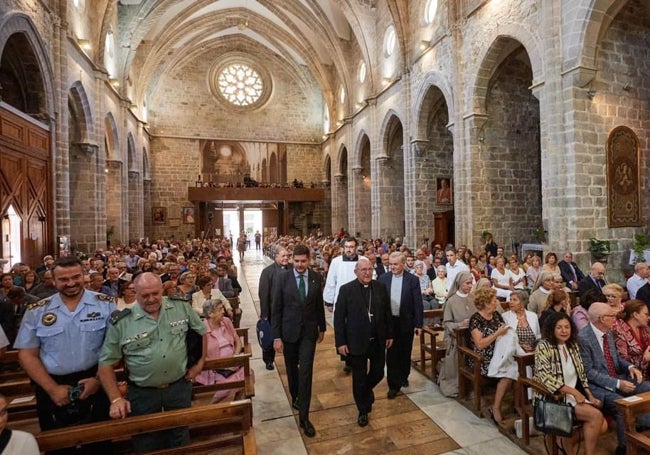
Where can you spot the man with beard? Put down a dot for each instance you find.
(59, 342)
(341, 271)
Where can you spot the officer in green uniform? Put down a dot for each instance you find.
(151, 338)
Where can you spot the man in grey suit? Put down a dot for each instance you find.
(407, 313)
(610, 376)
(298, 321)
(265, 294)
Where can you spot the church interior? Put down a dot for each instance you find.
(424, 120)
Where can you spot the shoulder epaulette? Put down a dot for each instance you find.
(106, 298)
(40, 303)
(117, 315)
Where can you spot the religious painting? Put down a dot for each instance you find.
(188, 215)
(159, 215)
(443, 191)
(623, 178)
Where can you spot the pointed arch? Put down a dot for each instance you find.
(342, 161)
(389, 125)
(501, 46)
(146, 171)
(111, 138)
(433, 86)
(131, 153)
(78, 102)
(21, 23)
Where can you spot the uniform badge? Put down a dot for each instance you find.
(94, 314)
(48, 319)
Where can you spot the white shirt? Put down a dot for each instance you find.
(340, 272)
(453, 270)
(634, 283)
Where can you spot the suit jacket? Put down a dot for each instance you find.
(351, 322)
(567, 275)
(595, 364)
(265, 291)
(411, 307)
(588, 283)
(380, 269)
(225, 286)
(291, 318)
(643, 294)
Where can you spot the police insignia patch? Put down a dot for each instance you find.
(106, 298)
(48, 319)
(40, 303)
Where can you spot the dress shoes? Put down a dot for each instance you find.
(392, 393)
(363, 419)
(308, 428)
(295, 405)
(269, 365)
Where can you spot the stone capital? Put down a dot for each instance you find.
(579, 76)
(86, 147)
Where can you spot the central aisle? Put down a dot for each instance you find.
(420, 421)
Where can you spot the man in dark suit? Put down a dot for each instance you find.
(265, 294)
(407, 312)
(610, 376)
(221, 280)
(298, 321)
(594, 280)
(363, 328)
(571, 273)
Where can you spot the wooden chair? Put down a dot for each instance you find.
(431, 350)
(631, 407)
(469, 377)
(236, 311)
(212, 426)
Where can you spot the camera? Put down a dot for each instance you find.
(75, 392)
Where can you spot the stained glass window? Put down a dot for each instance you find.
(240, 84)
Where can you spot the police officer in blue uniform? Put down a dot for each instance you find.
(59, 342)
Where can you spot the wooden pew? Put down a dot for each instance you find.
(211, 426)
(236, 311)
(431, 350)
(243, 334)
(239, 360)
(631, 407)
(468, 376)
(10, 367)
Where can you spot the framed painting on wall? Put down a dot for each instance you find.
(443, 191)
(188, 215)
(159, 215)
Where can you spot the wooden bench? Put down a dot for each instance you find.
(211, 426)
(431, 348)
(236, 311)
(630, 408)
(239, 360)
(469, 377)
(10, 367)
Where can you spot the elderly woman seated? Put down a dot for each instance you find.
(486, 326)
(223, 341)
(205, 293)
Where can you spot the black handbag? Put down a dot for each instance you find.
(551, 417)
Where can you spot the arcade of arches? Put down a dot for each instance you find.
(434, 119)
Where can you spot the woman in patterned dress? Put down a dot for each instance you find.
(486, 326)
(632, 336)
(524, 322)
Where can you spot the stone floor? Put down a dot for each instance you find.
(420, 421)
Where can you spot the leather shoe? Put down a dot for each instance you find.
(362, 420)
(347, 369)
(269, 365)
(620, 450)
(405, 383)
(308, 428)
(295, 405)
(392, 393)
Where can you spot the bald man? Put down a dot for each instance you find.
(595, 279)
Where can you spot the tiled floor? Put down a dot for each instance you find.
(436, 424)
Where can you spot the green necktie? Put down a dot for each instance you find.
(301, 287)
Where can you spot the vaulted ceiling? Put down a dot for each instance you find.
(312, 37)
